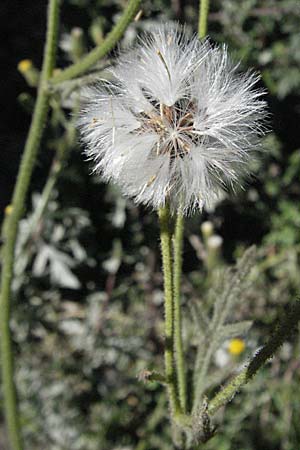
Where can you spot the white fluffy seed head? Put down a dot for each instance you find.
(178, 124)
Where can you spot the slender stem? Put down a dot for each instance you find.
(11, 227)
(99, 52)
(179, 357)
(285, 328)
(203, 15)
(165, 237)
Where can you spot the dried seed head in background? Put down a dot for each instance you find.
(177, 124)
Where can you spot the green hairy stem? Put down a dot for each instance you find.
(166, 250)
(12, 222)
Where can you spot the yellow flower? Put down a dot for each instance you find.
(24, 65)
(236, 346)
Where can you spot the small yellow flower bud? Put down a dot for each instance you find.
(8, 210)
(25, 65)
(29, 72)
(236, 346)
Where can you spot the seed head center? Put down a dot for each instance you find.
(174, 127)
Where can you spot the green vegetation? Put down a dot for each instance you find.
(87, 304)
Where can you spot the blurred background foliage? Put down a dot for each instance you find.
(88, 288)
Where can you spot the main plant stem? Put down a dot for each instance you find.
(166, 250)
(11, 227)
(179, 356)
